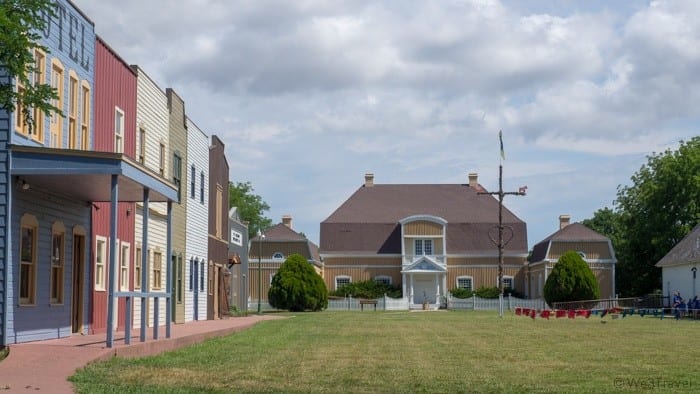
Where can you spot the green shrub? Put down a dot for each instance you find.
(459, 292)
(297, 287)
(571, 280)
(487, 292)
(367, 289)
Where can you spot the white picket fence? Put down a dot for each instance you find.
(401, 304)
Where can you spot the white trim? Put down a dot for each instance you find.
(471, 278)
(104, 264)
(427, 218)
(398, 265)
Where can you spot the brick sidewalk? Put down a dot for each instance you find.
(46, 365)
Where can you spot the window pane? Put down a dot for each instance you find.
(419, 246)
(27, 244)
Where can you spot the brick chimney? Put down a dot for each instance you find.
(564, 221)
(287, 220)
(473, 179)
(369, 179)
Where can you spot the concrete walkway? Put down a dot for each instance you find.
(45, 365)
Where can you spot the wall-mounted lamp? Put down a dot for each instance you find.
(24, 185)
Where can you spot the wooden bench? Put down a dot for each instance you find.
(368, 302)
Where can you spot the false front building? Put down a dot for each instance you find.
(427, 239)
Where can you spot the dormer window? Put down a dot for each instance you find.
(582, 254)
(278, 256)
(423, 247)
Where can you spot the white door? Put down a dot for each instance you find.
(424, 290)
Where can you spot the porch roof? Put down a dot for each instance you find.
(87, 175)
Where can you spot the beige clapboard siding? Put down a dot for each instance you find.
(152, 115)
(593, 250)
(422, 227)
(359, 274)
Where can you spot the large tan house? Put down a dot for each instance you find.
(425, 238)
(268, 251)
(596, 250)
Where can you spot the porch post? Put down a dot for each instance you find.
(410, 301)
(112, 259)
(168, 277)
(444, 284)
(144, 264)
(437, 288)
(403, 285)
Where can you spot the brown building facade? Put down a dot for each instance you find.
(427, 239)
(596, 250)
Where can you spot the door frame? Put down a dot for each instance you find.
(78, 283)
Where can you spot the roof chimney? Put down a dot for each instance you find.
(473, 179)
(369, 179)
(564, 221)
(287, 220)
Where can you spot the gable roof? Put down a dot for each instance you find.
(574, 232)
(368, 221)
(686, 251)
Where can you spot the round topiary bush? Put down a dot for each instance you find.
(297, 287)
(571, 280)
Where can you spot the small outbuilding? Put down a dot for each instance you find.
(680, 265)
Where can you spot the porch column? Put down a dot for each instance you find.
(410, 301)
(403, 285)
(169, 265)
(112, 259)
(444, 284)
(144, 264)
(437, 288)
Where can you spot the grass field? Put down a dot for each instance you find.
(445, 352)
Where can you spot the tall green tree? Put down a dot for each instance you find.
(251, 206)
(21, 22)
(652, 215)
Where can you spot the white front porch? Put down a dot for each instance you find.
(425, 282)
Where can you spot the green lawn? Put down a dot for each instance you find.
(446, 352)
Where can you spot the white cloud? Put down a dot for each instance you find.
(310, 95)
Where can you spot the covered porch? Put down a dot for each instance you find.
(424, 283)
(42, 177)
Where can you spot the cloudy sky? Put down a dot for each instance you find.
(310, 95)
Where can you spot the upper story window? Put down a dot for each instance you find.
(118, 130)
(278, 256)
(423, 247)
(201, 187)
(177, 173)
(219, 211)
(193, 171)
(56, 123)
(142, 145)
(582, 254)
(161, 161)
(85, 116)
(37, 130)
(72, 110)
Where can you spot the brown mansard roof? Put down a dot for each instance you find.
(571, 233)
(281, 233)
(368, 221)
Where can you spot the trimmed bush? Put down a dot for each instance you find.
(571, 280)
(297, 287)
(459, 292)
(367, 289)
